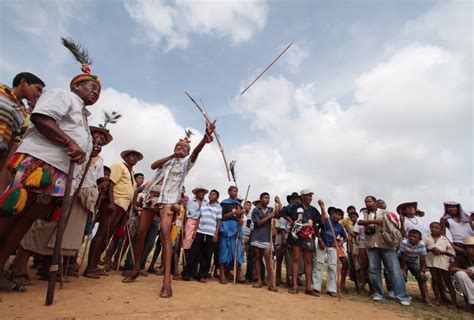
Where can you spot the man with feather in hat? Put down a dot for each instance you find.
(41, 237)
(162, 196)
(58, 135)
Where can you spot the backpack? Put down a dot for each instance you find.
(391, 236)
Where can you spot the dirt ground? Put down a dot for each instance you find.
(109, 298)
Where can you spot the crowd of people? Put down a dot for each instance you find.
(120, 220)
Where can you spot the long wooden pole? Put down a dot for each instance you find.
(261, 74)
(54, 268)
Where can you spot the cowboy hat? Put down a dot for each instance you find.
(306, 191)
(292, 195)
(105, 132)
(468, 241)
(124, 153)
(200, 188)
(403, 206)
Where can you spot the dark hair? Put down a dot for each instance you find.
(331, 209)
(414, 231)
(136, 175)
(435, 222)
(372, 197)
(250, 202)
(29, 78)
(263, 194)
(351, 207)
(216, 192)
(106, 169)
(232, 187)
(362, 209)
(381, 200)
(339, 211)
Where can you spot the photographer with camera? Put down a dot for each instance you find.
(381, 246)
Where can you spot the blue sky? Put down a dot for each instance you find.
(365, 91)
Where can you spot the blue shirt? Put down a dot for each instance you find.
(327, 236)
(210, 213)
(413, 252)
(194, 212)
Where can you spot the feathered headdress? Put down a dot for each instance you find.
(82, 56)
(186, 140)
(232, 170)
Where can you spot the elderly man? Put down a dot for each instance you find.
(123, 189)
(42, 235)
(59, 134)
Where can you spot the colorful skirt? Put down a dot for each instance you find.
(31, 175)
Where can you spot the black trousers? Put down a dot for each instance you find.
(199, 254)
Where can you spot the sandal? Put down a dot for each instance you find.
(92, 274)
(273, 289)
(314, 293)
(21, 279)
(257, 285)
(131, 278)
(166, 293)
(223, 281)
(12, 287)
(293, 291)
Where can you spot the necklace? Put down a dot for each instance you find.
(416, 221)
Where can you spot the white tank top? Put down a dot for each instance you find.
(459, 230)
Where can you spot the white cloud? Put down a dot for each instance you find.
(174, 23)
(295, 56)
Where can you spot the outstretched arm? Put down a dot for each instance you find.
(210, 127)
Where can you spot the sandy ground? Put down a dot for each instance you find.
(109, 298)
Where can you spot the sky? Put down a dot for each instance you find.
(373, 98)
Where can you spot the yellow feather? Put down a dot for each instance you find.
(34, 179)
(21, 202)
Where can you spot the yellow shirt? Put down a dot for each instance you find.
(124, 185)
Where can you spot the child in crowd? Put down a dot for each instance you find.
(327, 249)
(440, 251)
(412, 258)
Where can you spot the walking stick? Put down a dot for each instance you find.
(55, 263)
(130, 244)
(237, 238)
(271, 243)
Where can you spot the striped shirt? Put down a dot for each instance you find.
(412, 252)
(12, 117)
(210, 213)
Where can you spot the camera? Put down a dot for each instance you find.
(369, 230)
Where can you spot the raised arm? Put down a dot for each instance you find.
(159, 163)
(210, 127)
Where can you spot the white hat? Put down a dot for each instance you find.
(306, 191)
(200, 188)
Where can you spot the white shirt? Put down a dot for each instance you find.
(95, 172)
(68, 110)
(173, 179)
(418, 224)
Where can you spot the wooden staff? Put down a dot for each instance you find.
(208, 121)
(261, 74)
(237, 238)
(56, 260)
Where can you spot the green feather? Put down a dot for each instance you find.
(77, 50)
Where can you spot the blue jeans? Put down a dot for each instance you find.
(390, 262)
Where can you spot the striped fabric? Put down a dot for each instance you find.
(11, 117)
(210, 213)
(412, 252)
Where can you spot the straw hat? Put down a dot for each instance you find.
(124, 153)
(200, 188)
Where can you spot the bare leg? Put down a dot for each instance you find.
(107, 224)
(258, 256)
(268, 261)
(22, 223)
(364, 265)
(280, 256)
(344, 269)
(144, 223)
(447, 280)
(308, 268)
(297, 253)
(166, 219)
(176, 255)
(156, 254)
